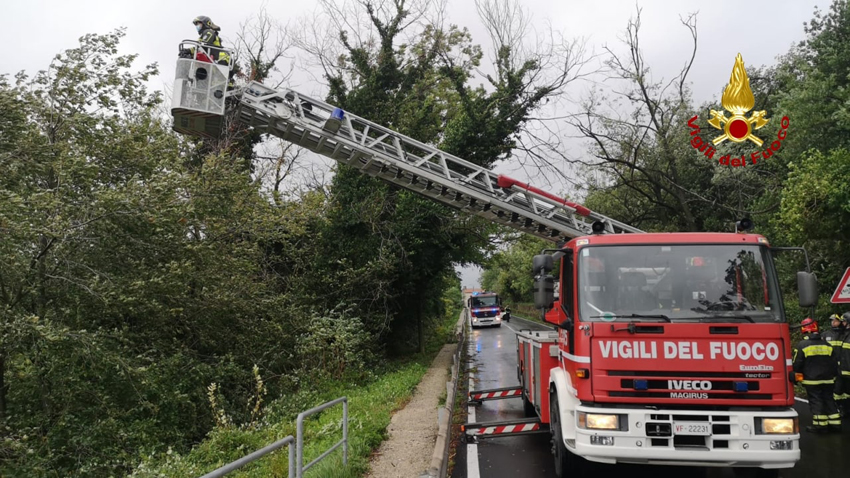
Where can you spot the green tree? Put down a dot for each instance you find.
(508, 272)
(815, 212)
(127, 283)
(392, 248)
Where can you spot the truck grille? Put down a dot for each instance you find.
(691, 385)
(484, 313)
(659, 430)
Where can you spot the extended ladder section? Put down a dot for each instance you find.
(418, 167)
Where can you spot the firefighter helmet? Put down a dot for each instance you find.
(809, 325)
(845, 317)
(836, 317)
(205, 22)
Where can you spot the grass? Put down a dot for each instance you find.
(371, 406)
(527, 312)
(370, 409)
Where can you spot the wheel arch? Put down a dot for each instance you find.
(560, 383)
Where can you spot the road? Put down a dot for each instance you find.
(494, 355)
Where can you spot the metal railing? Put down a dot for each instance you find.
(296, 455)
(290, 440)
(192, 48)
(299, 448)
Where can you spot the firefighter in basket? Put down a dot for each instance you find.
(813, 358)
(209, 37)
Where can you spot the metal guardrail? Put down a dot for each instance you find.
(299, 448)
(296, 455)
(290, 440)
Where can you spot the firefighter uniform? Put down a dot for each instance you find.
(839, 338)
(208, 32)
(813, 357)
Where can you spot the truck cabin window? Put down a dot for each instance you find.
(491, 301)
(689, 282)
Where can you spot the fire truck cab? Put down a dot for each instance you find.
(668, 349)
(486, 310)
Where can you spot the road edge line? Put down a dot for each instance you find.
(472, 468)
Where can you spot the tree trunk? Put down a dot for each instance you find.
(419, 326)
(2, 386)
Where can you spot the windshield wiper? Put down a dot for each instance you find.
(717, 316)
(633, 316)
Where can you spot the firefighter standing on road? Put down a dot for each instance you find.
(839, 338)
(813, 358)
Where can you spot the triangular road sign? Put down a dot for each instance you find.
(842, 292)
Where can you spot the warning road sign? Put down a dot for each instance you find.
(842, 292)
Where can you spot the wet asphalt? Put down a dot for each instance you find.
(494, 356)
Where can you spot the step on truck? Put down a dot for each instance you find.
(669, 349)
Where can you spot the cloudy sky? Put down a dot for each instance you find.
(35, 30)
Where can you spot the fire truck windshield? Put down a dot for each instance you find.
(687, 282)
(485, 301)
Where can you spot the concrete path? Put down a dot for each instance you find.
(413, 429)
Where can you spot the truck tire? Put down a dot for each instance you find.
(756, 473)
(528, 407)
(567, 465)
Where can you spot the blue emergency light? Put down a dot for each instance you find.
(641, 384)
(741, 386)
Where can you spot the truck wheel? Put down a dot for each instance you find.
(567, 465)
(756, 473)
(528, 407)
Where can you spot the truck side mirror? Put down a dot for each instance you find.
(807, 289)
(544, 290)
(542, 264)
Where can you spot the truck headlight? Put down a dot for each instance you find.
(777, 426)
(595, 421)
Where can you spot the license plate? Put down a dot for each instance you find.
(691, 428)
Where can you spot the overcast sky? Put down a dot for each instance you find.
(35, 30)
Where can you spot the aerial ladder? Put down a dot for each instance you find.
(204, 106)
(202, 103)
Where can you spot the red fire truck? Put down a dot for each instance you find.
(486, 309)
(665, 348)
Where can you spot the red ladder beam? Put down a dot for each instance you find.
(506, 183)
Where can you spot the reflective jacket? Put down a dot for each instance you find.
(841, 349)
(210, 38)
(834, 337)
(814, 358)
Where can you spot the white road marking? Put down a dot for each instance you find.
(472, 470)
